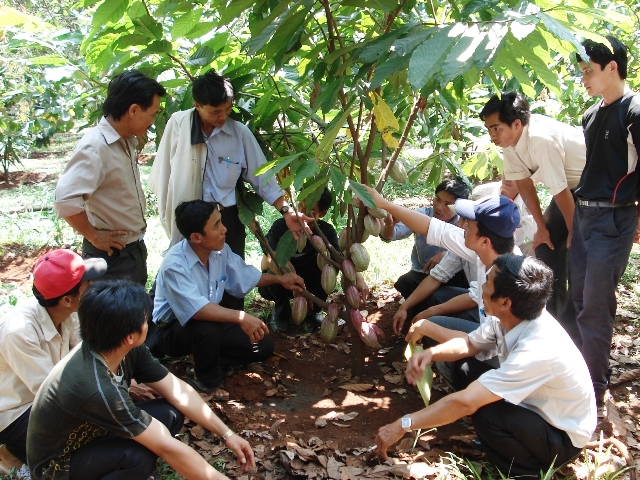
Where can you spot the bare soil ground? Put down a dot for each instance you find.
(307, 417)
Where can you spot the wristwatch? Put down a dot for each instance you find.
(285, 208)
(406, 423)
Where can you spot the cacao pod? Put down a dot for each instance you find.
(328, 279)
(398, 172)
(349, 270)
(360, 283)
(359, 257)
(356, 318)
(378, 213)
(322, 262)
(371, 225)
(302, 242)
(378, 331)
(368, 335)
(319, 243)
(365, 236)
(333, 310)
(381, 222)
(299, 310)
(329, 329)
(353, 296)
(342, 240)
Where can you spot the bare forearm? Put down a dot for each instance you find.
(213, 312)
(530, 197)
(188, 463)
(416, 221)
(566, 205)
(80, 223)
(456, 304)
(455, 348)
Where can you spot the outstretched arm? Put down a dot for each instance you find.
(416, 221)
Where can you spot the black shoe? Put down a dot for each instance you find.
(313, 321)
(279, 323)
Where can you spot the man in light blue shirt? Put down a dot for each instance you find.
(191, 281)
(203, 154)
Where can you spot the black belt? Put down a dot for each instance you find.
(600, 204)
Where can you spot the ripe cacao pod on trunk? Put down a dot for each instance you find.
(299, 310)
(328, 279)
(359, 257)
(349, 270)
(353, 296)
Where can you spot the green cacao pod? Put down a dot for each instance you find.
(398, 172)
(328, 279)
(299, 310)
(349, 270)
(329, 329)
(378, 213)
(359, 257)
(302, 242)
(342, 240)
(371, 225)
(322, 262)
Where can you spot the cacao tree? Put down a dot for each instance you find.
(337, 91)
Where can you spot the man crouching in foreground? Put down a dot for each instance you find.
(83, 423)
(537, 409)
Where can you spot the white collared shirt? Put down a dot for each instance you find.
(30, 346)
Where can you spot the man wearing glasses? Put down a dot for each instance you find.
(202, 155)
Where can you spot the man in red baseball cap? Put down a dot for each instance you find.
(35, 335)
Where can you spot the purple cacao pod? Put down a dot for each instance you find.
(349, 270)
(368, 335)
(353, 296)
(356, 318)
(299, 310)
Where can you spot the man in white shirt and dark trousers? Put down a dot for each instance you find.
(36, 334)
(536, 147)
(537, 409)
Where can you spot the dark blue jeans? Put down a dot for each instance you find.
(602, 240)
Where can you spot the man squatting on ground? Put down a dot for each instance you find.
(84, 424)
(527, 419)
(203, 154)
(488, 227)
(536, 147)
(606, 215)
(99, 193)
(191, 281)
(36, 334)
(425, 257)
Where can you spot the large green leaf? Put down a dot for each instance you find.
(233, 10)
(362, 193)
(48, 60)
(429, 55)
(148, 26)
(286, 248)
(328, 96)
(306, 170)
(125, 41)
(110, 11)
(159, 46)
(201, 29)
(276, 165)
(185, 24)
(136, 10)
(460, 57)
(323, 150)
(384, 70)
(202, 56)
(282, 37)
(562, 32)
(475, 6)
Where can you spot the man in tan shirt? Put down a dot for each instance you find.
(99, 193)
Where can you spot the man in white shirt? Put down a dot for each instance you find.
(36, 334)
(535, 411)
(541, 148)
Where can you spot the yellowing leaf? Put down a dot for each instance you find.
(389, 139)
(384, 117)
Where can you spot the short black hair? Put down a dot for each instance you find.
(455, 187)
(511, 107)
(526, 281)
(501, 245)
(53, 302)
(192, 216)
(325, 200)
(212, 89)
(603, 54)
(128, 88)
(110, 310)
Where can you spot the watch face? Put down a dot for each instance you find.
(284, 209)
(406, 423)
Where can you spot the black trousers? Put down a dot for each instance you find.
(213, 345)
(116, 458)
(407, 283)
(519, 441)
(15, 436)
(130, 262)
(236, 237)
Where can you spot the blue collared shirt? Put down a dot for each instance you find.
(184, 286)
(233, 152)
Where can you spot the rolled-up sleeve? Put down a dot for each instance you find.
(447, 268)
(241, 278)
(181, 293)
(81, 177)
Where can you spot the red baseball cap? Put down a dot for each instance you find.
(58, 271)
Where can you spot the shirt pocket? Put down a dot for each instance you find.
(227, 173)
(217, 290)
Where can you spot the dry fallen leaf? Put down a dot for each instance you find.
(357, 387)
(321, 422)
(198, 432)
(346, 417)
(625, 377)
(276, 425)
(272, 392)
(399, 391)
(395, 379)
(619, 429)
(342, 425)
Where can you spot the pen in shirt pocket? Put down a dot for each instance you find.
(227, 161)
